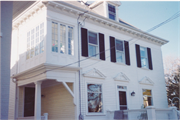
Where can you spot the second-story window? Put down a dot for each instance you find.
(62, 38)
(32, 43)
(144, 59)
(65, 39)
(120, 56)
(35, 41)
(92, 44)
(54, 37)
(112, 12)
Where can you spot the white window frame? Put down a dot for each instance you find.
(123, 52)
(97, 46)
(109, 12)
(147, 65)
(66, 39)
(86, 90)
(149, 96)
(117, 94)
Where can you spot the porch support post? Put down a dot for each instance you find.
(37, 111)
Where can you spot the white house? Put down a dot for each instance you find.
(72, 59)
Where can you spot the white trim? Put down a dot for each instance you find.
(94, 73)
(121, 77)
(86, 99)
(146, 81)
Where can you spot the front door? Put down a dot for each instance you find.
(122, 100)
(29, 101)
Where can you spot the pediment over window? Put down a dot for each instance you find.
(121, 77)
(147, 81)
(94, 73)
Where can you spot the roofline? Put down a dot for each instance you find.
(90, 15)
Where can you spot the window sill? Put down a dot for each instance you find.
(121, 63)
(95, 58)
(144, 68)
(95, 114)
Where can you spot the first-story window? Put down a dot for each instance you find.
(94, 95)
(144, 58)
(92, 44)
(120, 55)
(147, 97)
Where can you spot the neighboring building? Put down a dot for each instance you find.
(49, 38)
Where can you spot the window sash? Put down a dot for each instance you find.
(93, 47)
(97, 101)
(144, 58)
(120, 52)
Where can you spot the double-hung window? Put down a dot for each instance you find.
(94, 98)
(92, 44)
(120, 56)
(144, 58)
(112, 12)
(62, 39)
(147, 97)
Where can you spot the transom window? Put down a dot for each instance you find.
(147, 97)
(120, 56)
(112, 12)
(34, 44)
(144, 58)
(92, 44)
(62, 36)
(94, 95)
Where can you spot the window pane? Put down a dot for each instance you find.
(111, 16)
(92, 38)
(147, 97)
(70, 41)
(54, 37)
(119, 57)
(144, 62)
(143, 52)
(111, 8)
(95, 102)
(92, 51)
(62, 38)
(94, 88)
(119, 45)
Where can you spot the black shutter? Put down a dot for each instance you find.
(127, 56)
(138, 56)
(112, 49)
(149, 58)
(84, 42)
(101, 46)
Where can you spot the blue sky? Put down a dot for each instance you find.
(145, 15)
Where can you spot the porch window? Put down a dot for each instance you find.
(28, 46)
(94, 95)
(41, 37)
(32, 43)
(37, 41)
(147, 97)
(54, 37)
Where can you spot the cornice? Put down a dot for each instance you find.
(70, 9)
(27, 14)
(65, 7)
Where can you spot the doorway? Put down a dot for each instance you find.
(29, 97)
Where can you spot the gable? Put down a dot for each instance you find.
(147, 81)
(121, 77)
(94, 73)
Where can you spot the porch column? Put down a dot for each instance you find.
(37, 111)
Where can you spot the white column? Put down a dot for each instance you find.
(151, 112)
(37, 111)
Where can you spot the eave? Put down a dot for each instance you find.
(71, 9)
